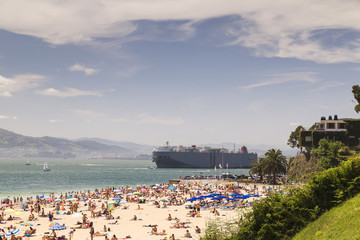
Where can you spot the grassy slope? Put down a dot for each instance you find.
(342, 222)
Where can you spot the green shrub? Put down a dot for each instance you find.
(281, 216)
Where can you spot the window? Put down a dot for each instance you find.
(341, 126)
(330, 125)
(308, 139)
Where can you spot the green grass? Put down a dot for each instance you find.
(342, 222)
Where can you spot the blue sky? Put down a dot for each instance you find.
(188, 72)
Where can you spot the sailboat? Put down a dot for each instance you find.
(27, 162)
(46, 168)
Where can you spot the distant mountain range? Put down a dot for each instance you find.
(13, 145)
(16, 145)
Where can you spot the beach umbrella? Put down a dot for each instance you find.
(112, 201)
(215, 194)
(141, 198)
(164, 200)
(123, 201)
(57, 226)
(57, 200)
(24, 204)
(41, 197)
(234, 194)
(116, 199)
(9, 210)
(76, 215)
(191, 199)
(19, 213)
(26, 224)
(5, 204)
(130, 194)
(50, 224)
(137, 193)
(143, 190)
(13, 231)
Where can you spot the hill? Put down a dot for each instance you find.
(16, 145)
(341, 222)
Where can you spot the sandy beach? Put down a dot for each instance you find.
(130, 213)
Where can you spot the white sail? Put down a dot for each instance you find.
(46, 168)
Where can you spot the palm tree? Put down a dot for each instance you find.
(258, 168)
(275, 163)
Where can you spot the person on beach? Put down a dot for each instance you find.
(172, 237)
(187, 234)
(197, 229)
(92, 231)
(134, 218)
(53, 235)
(114, 237)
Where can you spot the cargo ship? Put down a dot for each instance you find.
(202, 157)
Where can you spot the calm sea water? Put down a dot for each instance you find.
(18, 179)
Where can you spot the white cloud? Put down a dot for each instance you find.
(68, 92)
(18, 83)
(145, 118)
(8, 117)
(87, 71)
(303, 29)
(275, 79)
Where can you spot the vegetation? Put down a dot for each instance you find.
(356, 92)
(330, 154)
(274, 163)
(339, 223)
(258, 168)
(281, 216)
(294, 140)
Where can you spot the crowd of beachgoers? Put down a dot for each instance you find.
(161, 211)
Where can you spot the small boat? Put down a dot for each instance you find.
(27, 162)
(46, 168)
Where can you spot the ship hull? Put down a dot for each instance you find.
(203, 160)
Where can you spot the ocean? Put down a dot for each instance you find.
(18, 179)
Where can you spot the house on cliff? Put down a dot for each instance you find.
(346, 130)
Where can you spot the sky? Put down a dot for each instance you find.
(187, 72)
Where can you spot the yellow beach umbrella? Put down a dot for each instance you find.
(19, 213)
(9, 210)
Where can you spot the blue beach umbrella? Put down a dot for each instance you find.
(116, 199)
(191, 199)
(215, 194)
(234, 194)
(13, 231)
(57, 226)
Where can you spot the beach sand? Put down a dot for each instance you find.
(148, 214)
